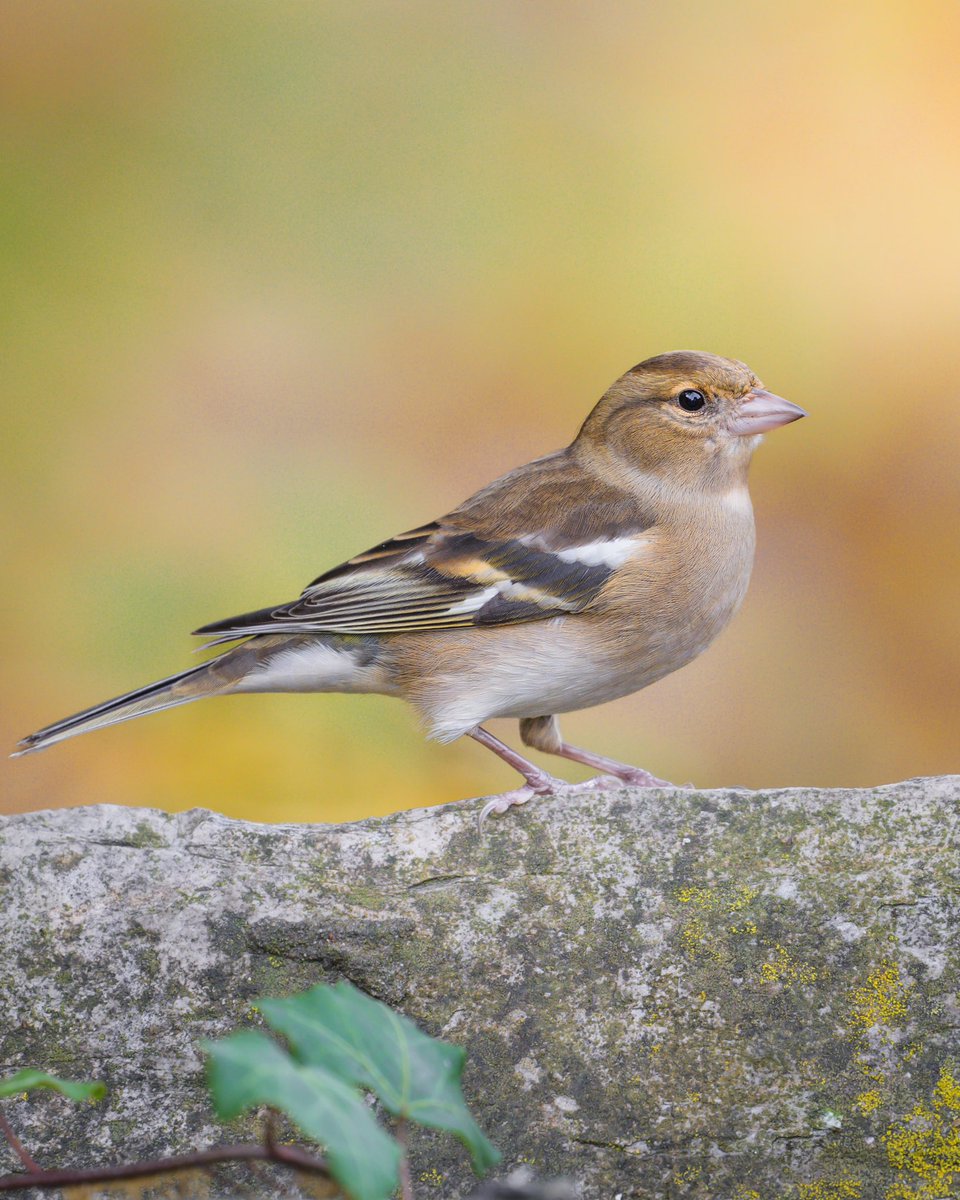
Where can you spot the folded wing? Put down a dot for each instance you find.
(525, 549)
(444, 580)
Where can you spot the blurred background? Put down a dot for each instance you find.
(283, 278)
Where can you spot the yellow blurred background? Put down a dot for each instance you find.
(283, 278)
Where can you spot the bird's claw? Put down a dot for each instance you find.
(549, 786)
(635, 778)
(500, 804)
(605, 782)
(544, 785)
(640, 778)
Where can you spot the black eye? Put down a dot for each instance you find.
(690, 400)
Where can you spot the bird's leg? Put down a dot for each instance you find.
(610, 766)
(537, 781)
(543, 733)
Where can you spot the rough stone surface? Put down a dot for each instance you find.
(700, 994)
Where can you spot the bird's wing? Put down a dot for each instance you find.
(474, 567)
(435, 578)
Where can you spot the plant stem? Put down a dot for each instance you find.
(406, 1183)
(270, 1129)
(288, 1156)
(17, 1145)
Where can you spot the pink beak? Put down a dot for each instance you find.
(762, 410)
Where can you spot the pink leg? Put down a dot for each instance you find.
(543, 733)
(610, 766)
(537, 781)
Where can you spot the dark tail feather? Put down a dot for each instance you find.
(165, 693)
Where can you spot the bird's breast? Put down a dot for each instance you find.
(670, 600)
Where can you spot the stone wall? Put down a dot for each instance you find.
(744, 995)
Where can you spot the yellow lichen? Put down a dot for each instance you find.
(832, 1189)
(871, 1073)
(868, 1102)
(947, 1092)
(743, 896)
(883, 1001)
(925, 1144)
(748, 927)
(784, 968)
(433, 1177)
(729, 899)
(695, 937)
(745, 1193)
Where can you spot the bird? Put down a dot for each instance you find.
(578, 578)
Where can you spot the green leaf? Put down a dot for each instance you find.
(367, 1043)
(28, 1080)
(249, 1069)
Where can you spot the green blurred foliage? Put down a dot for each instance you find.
(281, 278)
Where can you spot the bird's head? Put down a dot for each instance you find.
(686, 415)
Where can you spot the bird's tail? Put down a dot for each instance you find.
(206, 680)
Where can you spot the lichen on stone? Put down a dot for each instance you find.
(830, 1189)
(924, 1146)
(752, 993)
(868, 1102)
(783, 967)
(881, 1001)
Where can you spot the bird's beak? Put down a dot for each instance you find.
(762, 410)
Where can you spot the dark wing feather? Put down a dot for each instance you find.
(456, 580)
(501, 558)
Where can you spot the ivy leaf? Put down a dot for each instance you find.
(368, 1044)
(27, 1080)
(249, 1069)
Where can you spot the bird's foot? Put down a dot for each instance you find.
(638, 777)
(611, 768)
(635, 776)
(506, 800)
(548, 785)
(641, 779)
(541, 784)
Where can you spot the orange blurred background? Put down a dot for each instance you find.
(281, 279)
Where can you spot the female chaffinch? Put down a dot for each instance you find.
(580, 577)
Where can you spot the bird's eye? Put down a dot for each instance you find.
(690, 400)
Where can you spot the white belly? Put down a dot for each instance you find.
(535, 671)
(565, 664)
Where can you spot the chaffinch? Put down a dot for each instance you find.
(583, 576)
